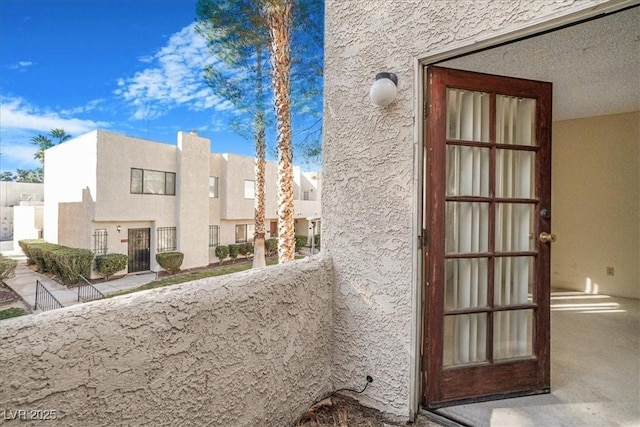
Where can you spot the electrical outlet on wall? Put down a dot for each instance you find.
(609, 271)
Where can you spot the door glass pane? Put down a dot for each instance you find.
(514, 227)
(467, 227)
(515, 120)
(465, 339)
(466, 283)
(515, 176)
(512, 334)
(513, 280)
(467, 115)
(467, 171)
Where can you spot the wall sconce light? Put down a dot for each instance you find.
(384, 90)
(119, 228)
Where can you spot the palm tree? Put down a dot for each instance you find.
(236, 34)
(44, 142)
(279, 14)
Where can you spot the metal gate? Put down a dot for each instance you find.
(139, 253)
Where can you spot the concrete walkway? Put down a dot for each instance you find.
(24, 284)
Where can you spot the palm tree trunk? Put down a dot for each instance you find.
(260, 139)
(279, 15)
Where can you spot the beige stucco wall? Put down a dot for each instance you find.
(70, 168)
(596, 204)
(117, 155)
(368, 197)
(192, 194)
(248, 349)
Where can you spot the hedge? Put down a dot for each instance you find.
(110, 264)
(222, 252)
(68, 263)
(170, 261)
(233, 251)
(271, 247)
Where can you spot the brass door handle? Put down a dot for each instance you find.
(547, 237)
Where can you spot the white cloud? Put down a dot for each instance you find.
(21, 65)
(175, 79)
(20, 121)
(15, 113)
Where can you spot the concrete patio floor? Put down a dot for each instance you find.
(595, 370)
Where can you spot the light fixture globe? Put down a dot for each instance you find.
(384, 90)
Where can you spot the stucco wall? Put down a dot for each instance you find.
(249, 349)
(596, 176)
(368, 198)
(192, 194)
(69, 168)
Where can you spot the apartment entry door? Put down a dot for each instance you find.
(487, 221)
(139, 249)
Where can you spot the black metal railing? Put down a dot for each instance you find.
(87, 292)
(45, 299)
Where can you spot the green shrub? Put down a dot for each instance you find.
(248, 249)
(26, 246)
(316, 240)
(7, 267)
(242, 249)
(110, 264)
(170, 261)
(35, 251)
(301, 241)
(222, 252)
(233, 251)
(71, 263)
(270, 247)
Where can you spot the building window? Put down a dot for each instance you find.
(213, 186)
(145, 181)
(100, 241)
(306, 195)
(249, 189)
(214, 236)
(166, 239)
(244, 233)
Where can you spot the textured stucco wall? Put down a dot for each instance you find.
(192, 199)
(69, 169)
(368, 196)
(250, 349)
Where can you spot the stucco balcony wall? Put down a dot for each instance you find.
(248, 349)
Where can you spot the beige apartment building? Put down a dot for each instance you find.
(112, 193)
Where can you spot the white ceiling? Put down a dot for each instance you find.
(594, 66)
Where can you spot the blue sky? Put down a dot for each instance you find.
(127, 66)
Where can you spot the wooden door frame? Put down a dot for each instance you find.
(552, 22)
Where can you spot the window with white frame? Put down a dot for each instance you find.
(166, 239)
(249, 189)
(213, 186)
(145, 181)
(244, 233)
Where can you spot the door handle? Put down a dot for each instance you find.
(547, 237)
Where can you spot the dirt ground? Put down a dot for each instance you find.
(343, 411)
(9, 299)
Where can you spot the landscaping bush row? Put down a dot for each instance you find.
(232, 251)
(68, 263)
